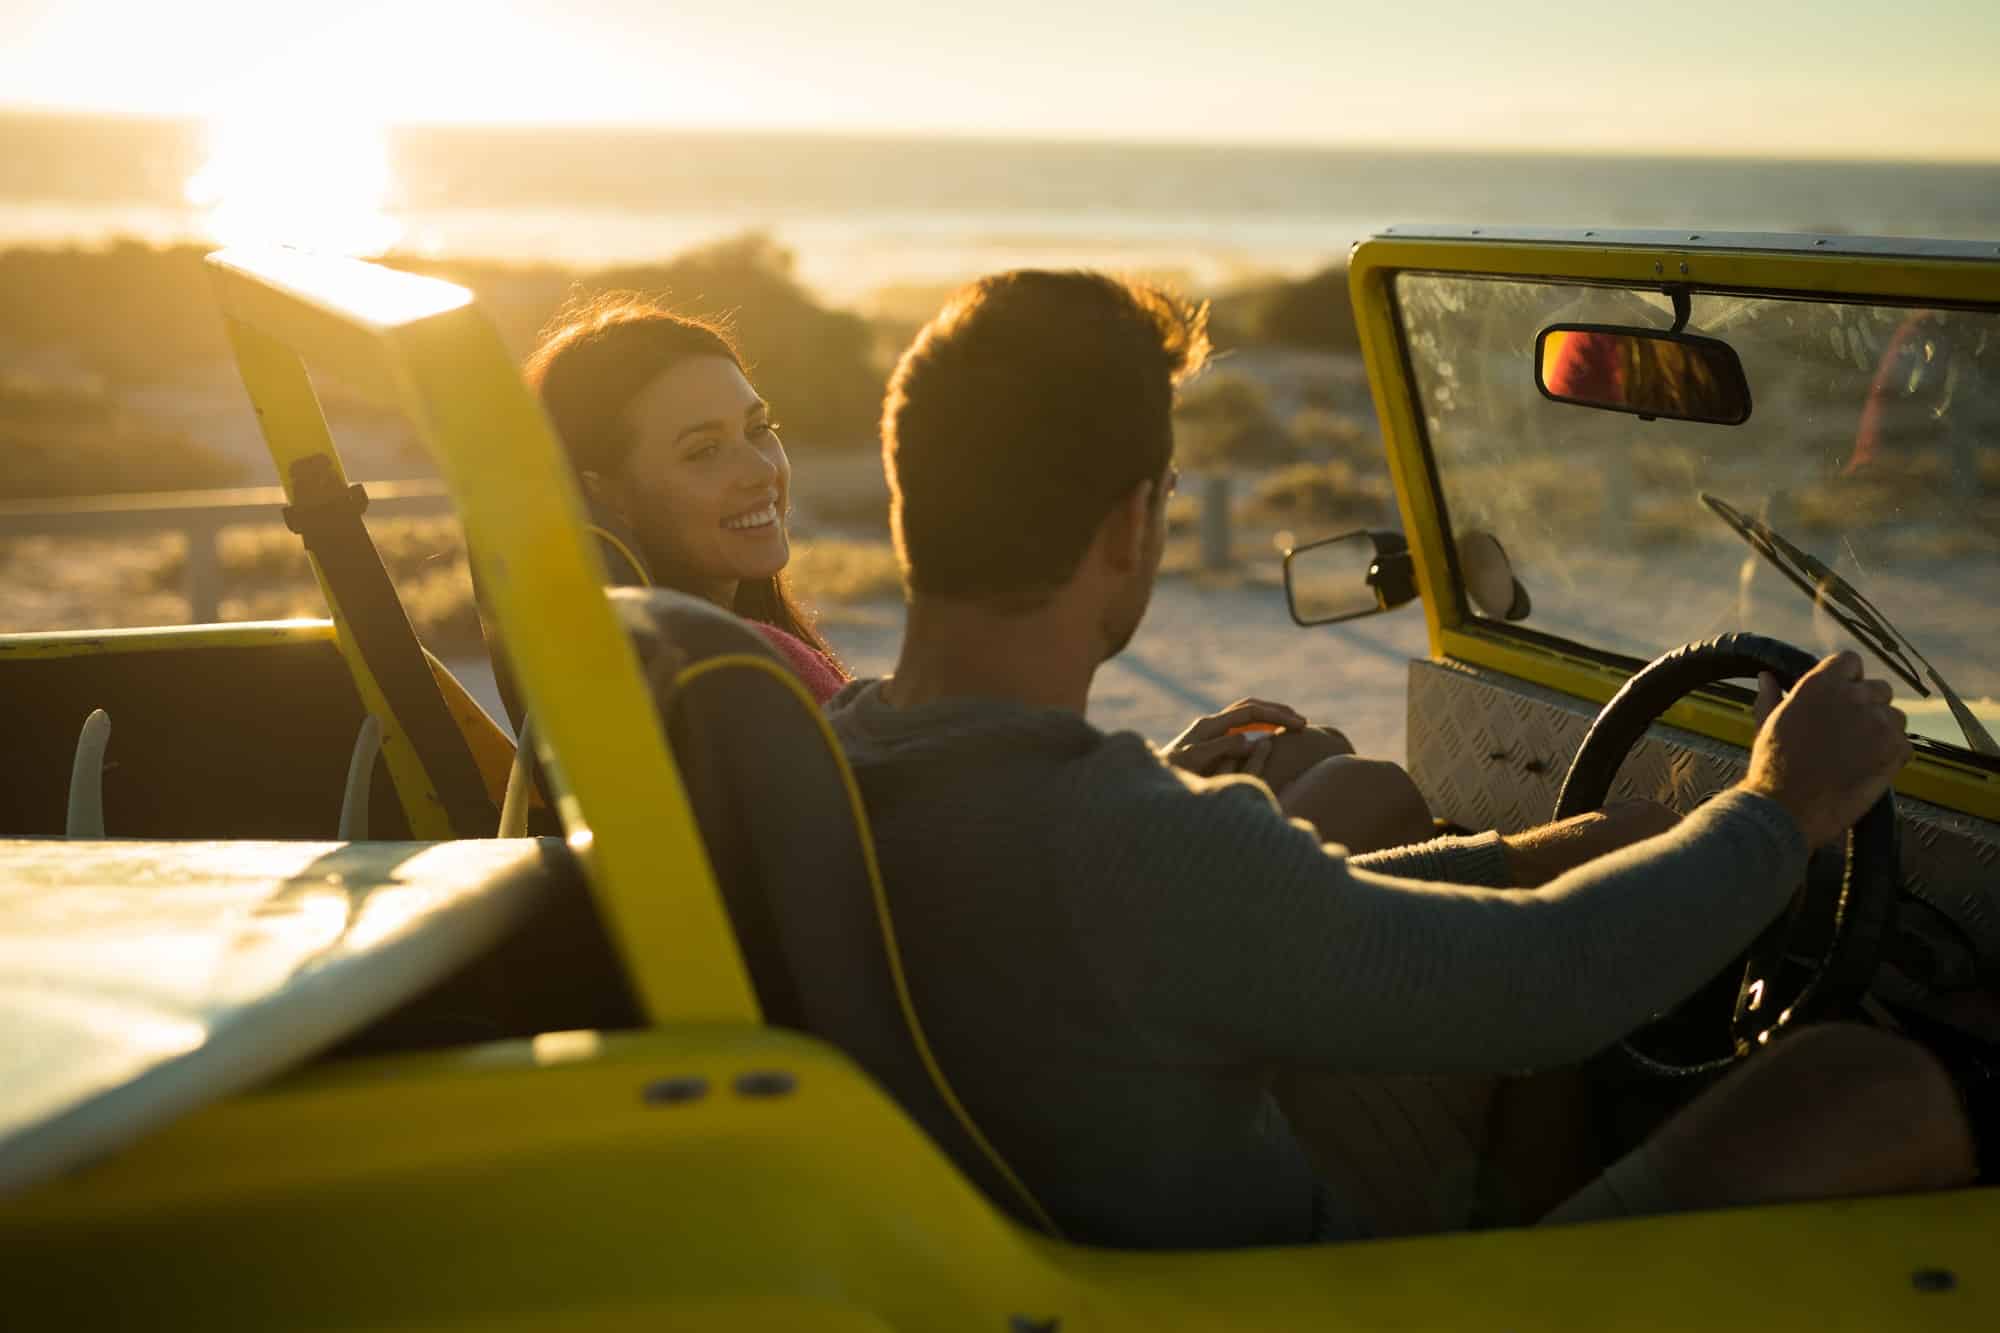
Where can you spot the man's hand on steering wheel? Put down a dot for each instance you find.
(1828, 749)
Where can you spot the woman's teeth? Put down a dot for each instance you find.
(756, 518)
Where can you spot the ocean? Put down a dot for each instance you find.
(868, 213)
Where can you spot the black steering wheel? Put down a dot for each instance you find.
(1820, 954)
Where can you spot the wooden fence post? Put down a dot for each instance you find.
(1217, 542)
(204, 572)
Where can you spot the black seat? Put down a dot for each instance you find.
(786, 833)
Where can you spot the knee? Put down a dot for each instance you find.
(1890, 1090)
(1294, 754)
(1367, 804)
(1390, 789)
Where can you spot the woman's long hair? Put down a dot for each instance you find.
(592, 361)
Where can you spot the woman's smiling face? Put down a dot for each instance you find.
(707, 483)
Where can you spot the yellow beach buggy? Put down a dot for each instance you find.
(293, 1040)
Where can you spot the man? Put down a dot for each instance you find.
(1115, 958)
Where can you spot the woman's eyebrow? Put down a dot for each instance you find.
(750, 413)
(701, 428)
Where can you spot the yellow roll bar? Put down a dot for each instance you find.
(423, 347)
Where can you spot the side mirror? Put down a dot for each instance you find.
(1680, 376)
(1343, 578)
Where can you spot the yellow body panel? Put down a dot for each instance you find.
(1371, 273)
(149, 638)
(559, 1184)
(491, 749)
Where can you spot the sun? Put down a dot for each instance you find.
(289, 178)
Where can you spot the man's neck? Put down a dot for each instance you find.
(951, 650)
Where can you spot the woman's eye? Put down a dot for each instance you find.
(702, 451)
(765, 428)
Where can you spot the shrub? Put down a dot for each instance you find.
(49, 461)
(1322, 434)
(439, 602)
(416, 546)
(1666, 466)
(1313, 311)
(1225, 419)
(131, 312)
(1322, 494)
(138, 314)
(1667, 521)
(263, 554)
(816, 365)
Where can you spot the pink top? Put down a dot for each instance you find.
(822, 678)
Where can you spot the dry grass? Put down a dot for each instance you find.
(47, 583)
(1320, 433)
(1551, 490)
(1320, 494)
(836, 572)
(1667, 466)
(440, 605)
(1224, 419)
(1837, 506)
(1667, 521)
(1932, 544)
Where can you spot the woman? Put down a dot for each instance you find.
(680, 459)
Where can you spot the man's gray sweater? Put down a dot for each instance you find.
(1111, 956)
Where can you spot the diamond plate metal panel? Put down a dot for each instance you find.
(1490, 751)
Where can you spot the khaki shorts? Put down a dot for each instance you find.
(1406, 1155)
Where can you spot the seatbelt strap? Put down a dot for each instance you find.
(327, 516)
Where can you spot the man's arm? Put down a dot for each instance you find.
(1310, 960)
(1522, 860)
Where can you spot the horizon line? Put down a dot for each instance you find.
(1078, 137)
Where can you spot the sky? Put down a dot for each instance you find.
(1900, 79)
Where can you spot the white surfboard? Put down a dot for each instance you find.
(139, 980)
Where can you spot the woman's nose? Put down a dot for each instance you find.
(755, 469)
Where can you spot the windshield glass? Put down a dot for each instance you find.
(1873, 445)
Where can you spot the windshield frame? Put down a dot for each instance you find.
(1940, 275)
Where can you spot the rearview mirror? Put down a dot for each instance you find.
(1647, 372)
(1345, 577)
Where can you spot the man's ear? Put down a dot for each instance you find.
(1123, 537)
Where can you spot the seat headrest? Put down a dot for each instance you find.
(674, 630)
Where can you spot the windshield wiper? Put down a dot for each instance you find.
(1855, 613)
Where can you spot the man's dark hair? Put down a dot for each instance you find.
(1019, 418)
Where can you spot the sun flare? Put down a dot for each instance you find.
(317, 183)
